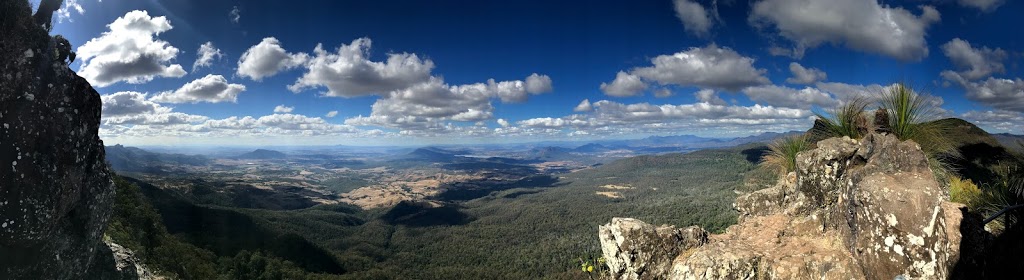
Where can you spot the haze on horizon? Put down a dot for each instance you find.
(242, 73)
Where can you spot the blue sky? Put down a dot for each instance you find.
(418, 72)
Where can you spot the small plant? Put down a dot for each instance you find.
(846, 120)
(964, 191)
(592, 266)
(781, 156)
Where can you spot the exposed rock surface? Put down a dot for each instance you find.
(868, 209)
(55, 189)
(637, 250)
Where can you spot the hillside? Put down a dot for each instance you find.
(262, 154)
(131, 159)
(537, 227)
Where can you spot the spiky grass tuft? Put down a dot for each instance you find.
(912, 117)
(781, 156)
(848, 120)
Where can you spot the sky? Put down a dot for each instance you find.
(405, 72)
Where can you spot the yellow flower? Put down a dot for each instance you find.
(590, 268)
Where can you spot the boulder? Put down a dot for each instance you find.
(55, 189)
(637, 250)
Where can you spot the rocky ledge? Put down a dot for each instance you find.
(867, 209)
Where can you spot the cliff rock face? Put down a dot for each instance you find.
(55, 189)
(868, 209)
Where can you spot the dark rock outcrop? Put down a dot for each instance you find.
(867, 209)
(55, 189)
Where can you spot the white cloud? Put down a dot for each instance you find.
(503, 123)
(863, 25)
(805, 76)
(707, 67)
(128, 103)
(694, 17)
(996, 120)
(267, 59)
(128, 52)
(1004, 94)
(983, 5)
(844, 92)
(64, 13)
(624, 85)
(975, 63)
(584, 106)
(331, 114)
(708, 96)
(536, 84)
(205, 55)
(426, 105)
(211, 88)
(132, 108)
(349, 72)
(787, 97)
(283, 109)
(616, 118)
(235, 15)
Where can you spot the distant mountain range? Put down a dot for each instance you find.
(262, 154)
(131, 159)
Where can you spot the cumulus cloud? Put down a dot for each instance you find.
(267, 59)
(331, 114)
(805, 76)
(503, 123)
(610, 117)
(235, 15)
(205, 55)
(975, 63)
(708, 96)
(211, 89)
(283, 109)
(695, 18)
(427, 105)
(863, 25)
(843, 91)
(996, 120)
(708, 67)
(1004, 94)
(129, 107)
(584, 106)
(787, 97)
(348, 72)
(624, 85)
(983, 5)
(536, 84)
(129, 52)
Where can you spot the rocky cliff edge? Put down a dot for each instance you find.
(867, 209)
(55, 188)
